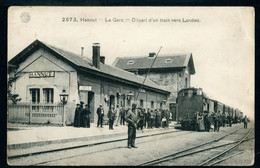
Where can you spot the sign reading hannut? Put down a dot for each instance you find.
(41, 74)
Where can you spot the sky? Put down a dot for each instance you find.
(221, 40)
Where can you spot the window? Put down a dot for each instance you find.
(152, 105)
(141, 103)
(130, 62)
(194, 93)
(35, 95)
(185, 93)
(168, 60)
(48, 95)
(190, 93)
(199, 92)
(161, 106)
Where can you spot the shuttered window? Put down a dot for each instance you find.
(35, 95)
(48, 95)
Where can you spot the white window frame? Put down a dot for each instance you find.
(130, 62)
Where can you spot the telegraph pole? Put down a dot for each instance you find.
(147, 73)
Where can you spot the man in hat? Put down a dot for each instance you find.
(245, 122)
(132, 119)
(100, 113)
(111, 116)
(86, 116)
(122, 116)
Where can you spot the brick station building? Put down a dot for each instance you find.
(46, 71)
(173, 72)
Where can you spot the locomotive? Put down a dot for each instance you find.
(194, 104)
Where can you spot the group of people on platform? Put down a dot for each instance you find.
(82, 115)
(136, 118)
(150, 118)
(147, 118)
(214, 121)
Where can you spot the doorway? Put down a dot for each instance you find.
(91, 104)
(112, 100)
(173, 110)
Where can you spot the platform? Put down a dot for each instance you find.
(21, 136)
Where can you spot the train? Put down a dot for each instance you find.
(192, 101)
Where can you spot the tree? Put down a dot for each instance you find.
(13, 97)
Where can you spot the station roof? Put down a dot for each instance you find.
(162, 62)
(83, 63)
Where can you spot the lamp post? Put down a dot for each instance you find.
(64, 97)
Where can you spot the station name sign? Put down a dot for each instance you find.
(41, 74)
(85, 88)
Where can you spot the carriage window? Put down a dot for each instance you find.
(48, 95)
(194, 93)
(35, 95)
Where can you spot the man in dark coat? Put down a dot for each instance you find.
(122, 116)
(245, 122)
(77, 116)
(157, 118)
(86, 116)
(132, 119)
(148, 118)
(111, 116)
(224, 119)
(81, 120)
(152, 118)
(145, 118)
(140, 115)
(207, 121)
(216, 119)
(100, 113)
(229, 120)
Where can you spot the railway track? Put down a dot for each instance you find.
(202, 148)
(39, 153)
(208, 162)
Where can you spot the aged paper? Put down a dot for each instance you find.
(221, 40)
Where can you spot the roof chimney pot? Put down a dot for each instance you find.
(82, 51)
(152, 54)
(96, 55)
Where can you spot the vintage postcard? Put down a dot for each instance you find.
(138, 86)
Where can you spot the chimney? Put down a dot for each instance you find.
(82, 51)
(102, 59)
(96, 55)
(152, 54)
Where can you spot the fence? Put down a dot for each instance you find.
(36, 113)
